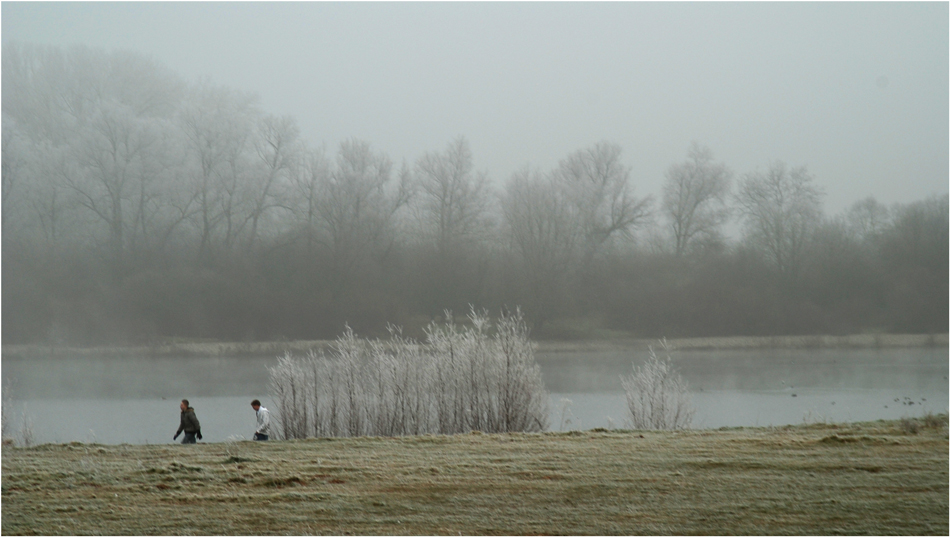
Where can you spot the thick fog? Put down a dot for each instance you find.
(261, 171)
(855, 91)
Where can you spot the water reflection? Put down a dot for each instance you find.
(135, 399)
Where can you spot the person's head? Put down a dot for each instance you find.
(255, 404)
(184, 404)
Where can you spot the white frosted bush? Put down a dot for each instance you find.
(461, 379)
(657, 396)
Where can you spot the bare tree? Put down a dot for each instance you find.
(914, 254)
(42, 106)
(49, 212)
(867, 218)
(51, 92)
(234, 195)
(356, 204)
(277, 148)
(545, 235)
(12, 166)
(694, 197)
(781, 208)
(451, 213)
(557, 223)
(98, 118)
(311, 173)
(452, 198)
(597, 185)
(919, 232)
(161, 200)
(110, 156)
(216, 123)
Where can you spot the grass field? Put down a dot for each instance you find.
(869, 478)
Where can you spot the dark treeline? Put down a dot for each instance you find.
(138, 207)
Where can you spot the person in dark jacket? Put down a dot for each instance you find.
(189, 424)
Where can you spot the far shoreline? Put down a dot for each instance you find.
(277, 348)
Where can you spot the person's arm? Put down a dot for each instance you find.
(193, 422)
(196, 425)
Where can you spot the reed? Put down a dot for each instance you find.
(657, 395)
(478, 376)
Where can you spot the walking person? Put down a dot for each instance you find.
(189, 424)
(263, 421)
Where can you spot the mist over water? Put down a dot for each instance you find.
(135, 399)
(234, 172)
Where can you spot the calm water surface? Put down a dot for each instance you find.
(135, 399)
(758, 387)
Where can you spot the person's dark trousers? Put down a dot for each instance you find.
(259, 436)
(189, 439)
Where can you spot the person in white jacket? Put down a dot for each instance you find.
(263, 421)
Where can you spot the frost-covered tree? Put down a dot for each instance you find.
(461, 379)
(657, 395)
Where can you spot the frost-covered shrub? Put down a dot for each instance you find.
(459, 380)
(657, 396)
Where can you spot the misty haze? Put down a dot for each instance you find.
(412, 219)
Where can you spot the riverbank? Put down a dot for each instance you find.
(277, 348)
(855, 341)
(865, 478)
(171, 348)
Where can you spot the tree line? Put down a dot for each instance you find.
(137, 206)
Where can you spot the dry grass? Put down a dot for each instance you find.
(870, 478)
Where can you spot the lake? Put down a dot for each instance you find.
(134, 400)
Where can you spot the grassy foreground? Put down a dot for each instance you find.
(868, 478)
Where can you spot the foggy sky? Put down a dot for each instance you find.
(858, 92)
